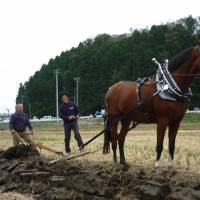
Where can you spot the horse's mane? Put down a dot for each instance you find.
(179, 59)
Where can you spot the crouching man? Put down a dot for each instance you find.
(19, 122)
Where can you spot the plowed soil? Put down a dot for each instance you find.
(24, 171)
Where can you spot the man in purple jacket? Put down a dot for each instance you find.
(69, 112)
(18, 125)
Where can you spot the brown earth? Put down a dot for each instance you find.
(24, 171)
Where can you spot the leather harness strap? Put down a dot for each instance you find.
(139, 83)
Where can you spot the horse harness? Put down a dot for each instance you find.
(165, 84)
(168, 86)
(139, 83)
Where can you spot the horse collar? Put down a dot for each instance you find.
(168, 86)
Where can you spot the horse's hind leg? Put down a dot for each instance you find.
(113, 131)
(121, 140)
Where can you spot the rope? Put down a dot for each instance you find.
(133, 126)
(196, 75)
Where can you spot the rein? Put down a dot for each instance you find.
(196, 75)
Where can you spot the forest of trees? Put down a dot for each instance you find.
(105, 60)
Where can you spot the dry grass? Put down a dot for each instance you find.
(139, 146)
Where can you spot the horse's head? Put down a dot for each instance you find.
(186, 65)
(196, 55)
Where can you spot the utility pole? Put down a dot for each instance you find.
(22, 100)
(8, 110)
(57, 71)
(29, 107)
(77, 81)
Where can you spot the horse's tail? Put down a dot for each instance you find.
(107, 133)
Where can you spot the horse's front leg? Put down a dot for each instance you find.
(161, 128)
(173, 129)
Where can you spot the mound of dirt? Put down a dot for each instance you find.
(41, 180)
(20, 151)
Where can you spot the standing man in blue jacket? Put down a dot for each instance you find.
(69, 112)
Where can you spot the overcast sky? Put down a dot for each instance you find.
(33, 31)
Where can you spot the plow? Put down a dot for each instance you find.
(41, 146)
(77, 155)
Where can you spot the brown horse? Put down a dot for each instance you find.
(124, 96)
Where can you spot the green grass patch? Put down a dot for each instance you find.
(191, 118)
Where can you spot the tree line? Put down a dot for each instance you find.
(104, 60)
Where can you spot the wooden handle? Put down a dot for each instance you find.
(18, 137)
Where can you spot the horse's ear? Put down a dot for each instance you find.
(196, 39)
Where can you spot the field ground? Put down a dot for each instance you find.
(139, 147)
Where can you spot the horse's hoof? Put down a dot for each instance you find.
(171, 171)
(106, 151)
(116, 166)
(158, 171)
(124, 163)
